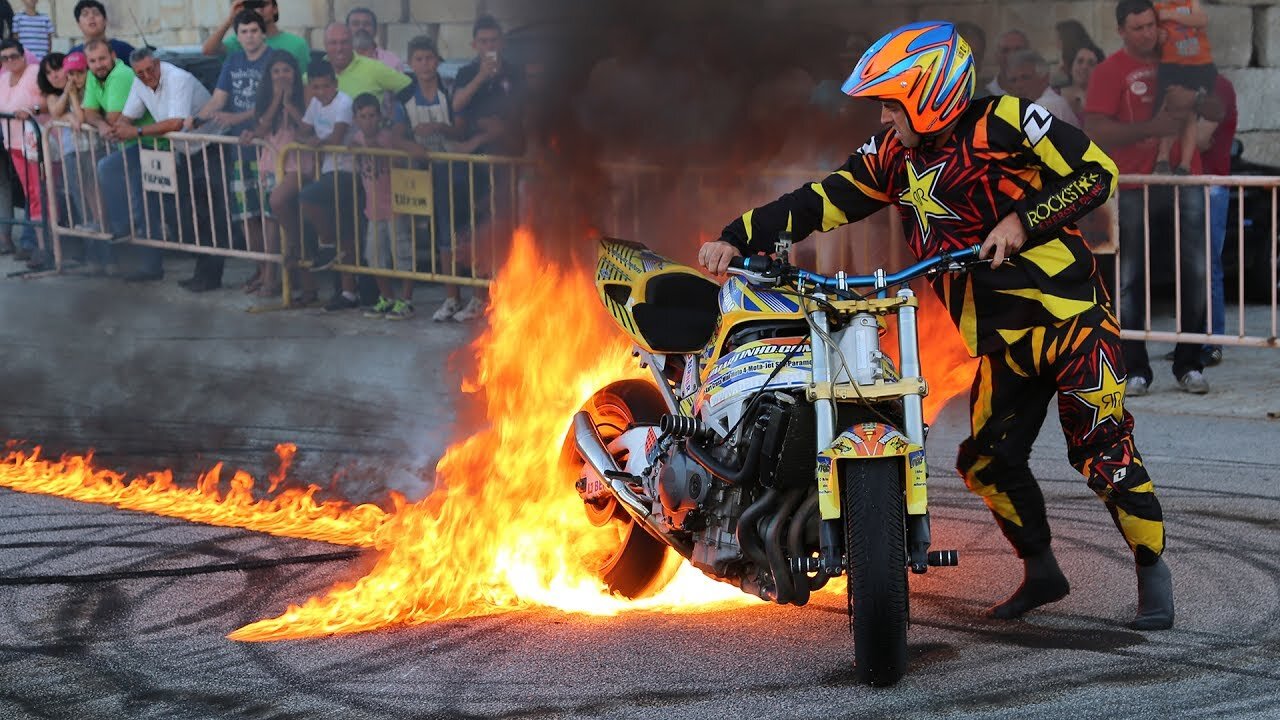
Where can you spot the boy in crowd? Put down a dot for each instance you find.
(388, 239)
(329, 204)
(91, 17)
(232, 107)
(33, 29)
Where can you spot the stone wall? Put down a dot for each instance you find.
(1245, 33)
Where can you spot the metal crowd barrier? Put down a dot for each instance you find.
(448, 216)
(452, 213)
(1186, 261)
(181, 190)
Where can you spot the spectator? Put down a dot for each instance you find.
(218, 43)
(335, 207)
(358, 74)
(1082, 65)
(429, 110)
(34, 30)
(1010, 41)
(362, 19)
(163, 98)
(330, 203)
(1214, 141)
(1122, 116)
(20, 95)
(1028, 77)
(280, 109)
(6, 18)
(232, 107)
(62, 81)
(1186, 60)
(977, 39)
(106, 90)
(91, 16)
(388, 239)
(1070, 36)
(488, 104)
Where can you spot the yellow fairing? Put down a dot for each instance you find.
(667, 308)
(864, 441)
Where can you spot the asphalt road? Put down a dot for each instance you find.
(151, 377)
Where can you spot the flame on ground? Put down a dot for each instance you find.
(290, 513)
(504, 529)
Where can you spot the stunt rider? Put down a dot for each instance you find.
(1003, 172)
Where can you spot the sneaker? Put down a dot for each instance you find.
(1194, 382)
(341, 302)
(473, 310)
(88, 227)
(380, 308)
(1162, 168)
(1211, 356)
(1136, 387)
(450, 308)
(402, 310)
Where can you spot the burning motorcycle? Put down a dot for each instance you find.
(778, 446)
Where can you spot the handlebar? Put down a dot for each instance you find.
(764, 270)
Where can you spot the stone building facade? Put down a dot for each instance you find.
(1245, 33)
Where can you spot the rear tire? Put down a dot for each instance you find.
(876, 561)
(638, 566)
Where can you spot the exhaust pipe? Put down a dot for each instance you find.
(591, 447)
(587, 440)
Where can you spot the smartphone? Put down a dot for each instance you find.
(254, 4)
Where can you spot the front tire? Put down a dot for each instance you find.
(876, 561)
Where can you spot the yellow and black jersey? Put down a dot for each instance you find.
(1006, 155)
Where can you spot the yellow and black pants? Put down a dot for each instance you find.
(1080, 361)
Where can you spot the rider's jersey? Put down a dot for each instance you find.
(1006, 155)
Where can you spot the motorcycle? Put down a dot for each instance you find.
(778, 445)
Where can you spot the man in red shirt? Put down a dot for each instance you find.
(1121, 115)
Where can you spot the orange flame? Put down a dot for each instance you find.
(291, 513)
(504, 528)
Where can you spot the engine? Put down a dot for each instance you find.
(739, 501)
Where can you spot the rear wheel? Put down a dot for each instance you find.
(638, 565)
(876, 560)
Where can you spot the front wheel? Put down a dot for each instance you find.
(876, 560)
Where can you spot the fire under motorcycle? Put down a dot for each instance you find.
(778, 445)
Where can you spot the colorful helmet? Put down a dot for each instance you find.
(926, 67)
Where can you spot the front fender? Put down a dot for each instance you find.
(871, 440)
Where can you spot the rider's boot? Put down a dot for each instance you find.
(1155, 597)
(1043, 583)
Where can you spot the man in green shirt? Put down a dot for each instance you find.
(358, 74)
(277, 39)
(106, 91)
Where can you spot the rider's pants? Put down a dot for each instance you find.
(1080, 361)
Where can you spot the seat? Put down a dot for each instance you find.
(679, 313)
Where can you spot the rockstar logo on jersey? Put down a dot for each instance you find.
(919, 197)
(1107, 398)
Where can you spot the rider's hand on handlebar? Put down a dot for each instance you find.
(1006, 238)
(715, 256)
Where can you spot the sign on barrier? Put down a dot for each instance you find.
(159, 171)
(411, 191)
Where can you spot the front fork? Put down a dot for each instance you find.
(831, 532)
